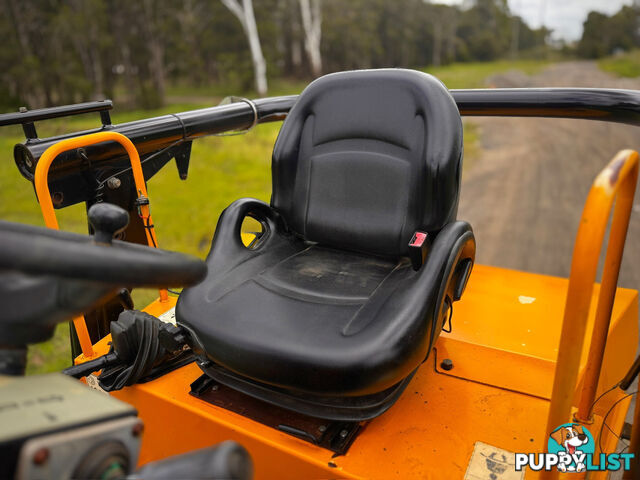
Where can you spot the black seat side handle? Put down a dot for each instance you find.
(228, 231)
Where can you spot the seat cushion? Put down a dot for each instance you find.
(310, 318)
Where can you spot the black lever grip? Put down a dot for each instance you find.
(107, 220)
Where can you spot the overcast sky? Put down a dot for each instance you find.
(564, 17)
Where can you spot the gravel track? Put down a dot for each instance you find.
(524, 191)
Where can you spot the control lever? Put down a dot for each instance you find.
(136, 349)
(107, 220)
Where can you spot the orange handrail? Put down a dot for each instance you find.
(46, 205)
(617, 182)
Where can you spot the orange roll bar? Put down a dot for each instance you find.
(46, 205)
(617, 182)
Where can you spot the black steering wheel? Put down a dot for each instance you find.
(37, 250)
(47, 276)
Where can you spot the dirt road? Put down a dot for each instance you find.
(525, 190)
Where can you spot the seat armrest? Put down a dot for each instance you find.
(454, 242)
(449, 263)
(228, 230)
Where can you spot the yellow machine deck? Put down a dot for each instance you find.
(496, 394)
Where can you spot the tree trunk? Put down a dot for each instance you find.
(120, 26)
(155, 47)
(247, 19)
(452, 27)
(515, 36)
(190, 19)
(96, 62)
(437, 44)
(24, 90)
(259, 63)
(296, 49)
(312, 24)
(156, 66)
(87, 47)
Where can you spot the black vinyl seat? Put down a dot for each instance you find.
(325, 314)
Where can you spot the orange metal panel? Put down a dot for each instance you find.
(176, 422)
(486, 364)
(512, 318)
(159, 306)
(431, 431)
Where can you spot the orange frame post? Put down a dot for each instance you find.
(46, 205)
(617, 182)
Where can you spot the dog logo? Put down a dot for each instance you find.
(571, 448)
(572, 443)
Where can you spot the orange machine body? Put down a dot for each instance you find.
(503, 347)
(526, 349)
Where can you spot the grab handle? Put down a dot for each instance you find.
(46, 205)
(617, 182)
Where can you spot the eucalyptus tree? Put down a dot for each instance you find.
(244, 13)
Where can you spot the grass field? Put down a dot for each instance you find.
(473, 75)
(623, 65)
(222, 169)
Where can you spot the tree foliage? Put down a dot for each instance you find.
(63, 51)
(603, 35)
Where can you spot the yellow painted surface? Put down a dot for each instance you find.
(503, 348)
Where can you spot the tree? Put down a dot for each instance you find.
(244, 13)
(64, 51)
(312, 24)
(83, 24)
(595, 36)
(443, 20)
(153, 17)
(604, 35)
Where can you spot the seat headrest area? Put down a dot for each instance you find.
(365, 158)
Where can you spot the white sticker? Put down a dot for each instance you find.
(492, 463)
(526, 300)
(169, 316)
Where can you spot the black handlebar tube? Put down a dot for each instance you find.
(153, 134)
(609, 105)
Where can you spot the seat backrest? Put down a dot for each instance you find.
(365, 158)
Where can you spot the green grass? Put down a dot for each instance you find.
(624, 65)
(474, 74)
(185, 213)
(278, 86)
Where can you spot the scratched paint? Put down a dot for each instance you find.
(608, 178)
(523, 299)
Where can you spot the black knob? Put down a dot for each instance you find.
(107, 220)
(446, 364)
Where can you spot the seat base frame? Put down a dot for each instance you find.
(339, 408)
(334, 435)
